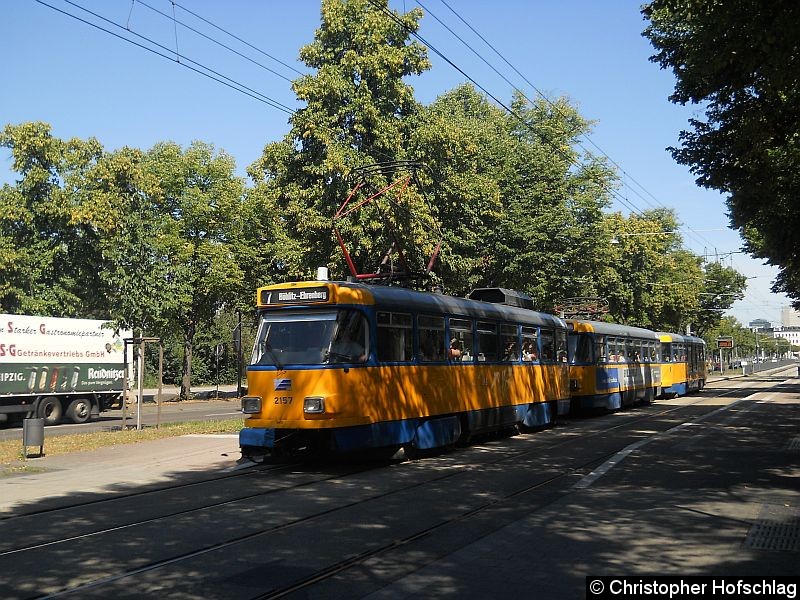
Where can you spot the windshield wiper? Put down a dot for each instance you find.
(274, 357)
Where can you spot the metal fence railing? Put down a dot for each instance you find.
(747, 367)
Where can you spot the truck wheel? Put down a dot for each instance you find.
(79, 410)
(50, 410)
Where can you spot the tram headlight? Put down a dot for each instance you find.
(313, 405)
(251, 405)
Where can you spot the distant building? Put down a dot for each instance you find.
(789, 317)
(762, 324)
(788, 333)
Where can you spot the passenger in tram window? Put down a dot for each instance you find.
(510, 352)
(455, 349)
(529, 351)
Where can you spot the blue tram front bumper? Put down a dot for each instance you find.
(259, 438)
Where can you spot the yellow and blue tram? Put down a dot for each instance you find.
(345, 366)
(683, 367)
(612, 366)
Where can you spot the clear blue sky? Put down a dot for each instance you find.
(85, 82)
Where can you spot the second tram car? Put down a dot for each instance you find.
(612, 366)
(346, 366)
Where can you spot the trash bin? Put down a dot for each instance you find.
(33, 435)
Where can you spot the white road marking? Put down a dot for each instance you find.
(589, 479)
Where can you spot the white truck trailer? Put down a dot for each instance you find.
(53, 368)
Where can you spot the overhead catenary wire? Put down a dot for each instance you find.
(237, 38)
(553, 105)
(215, 41)
(233, 84)
(499, 102)
(201, 69)
(693, 233)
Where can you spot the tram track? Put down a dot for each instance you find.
(335, 568)
(250, 472)
(350, 562)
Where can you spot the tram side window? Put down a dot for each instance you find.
(461, 340)
(432, 340)
(600, 349)
(395, 337)
(656, 351)
(509, 342)
(561, 345)
(612, 350)
(530, 344)
(487, 342)
(350, 343)
(666, 352)
(580, 348)
(632, 350)
(548, 345)
(676, 353)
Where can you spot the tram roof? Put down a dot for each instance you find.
(402, 299)
(604, 328)
(666, 336)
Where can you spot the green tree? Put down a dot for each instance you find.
(200, 201)
(357, 107)
(741, 61)
(722, 286)
(654, 280)
(518, 206)
(49, 252)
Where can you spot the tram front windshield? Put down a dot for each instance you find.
(311, 338)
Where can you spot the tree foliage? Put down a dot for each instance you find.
(741, 61)
(49, 257)
(357, 113)
(656, 283)
(517, 205)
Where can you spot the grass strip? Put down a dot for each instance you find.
(11, 450)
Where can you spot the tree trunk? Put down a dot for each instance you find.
(186, 380)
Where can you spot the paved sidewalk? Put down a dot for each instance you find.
(67, 478)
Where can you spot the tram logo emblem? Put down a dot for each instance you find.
(283, 385)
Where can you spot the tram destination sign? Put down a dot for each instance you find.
(295, 295)
(724, 342)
